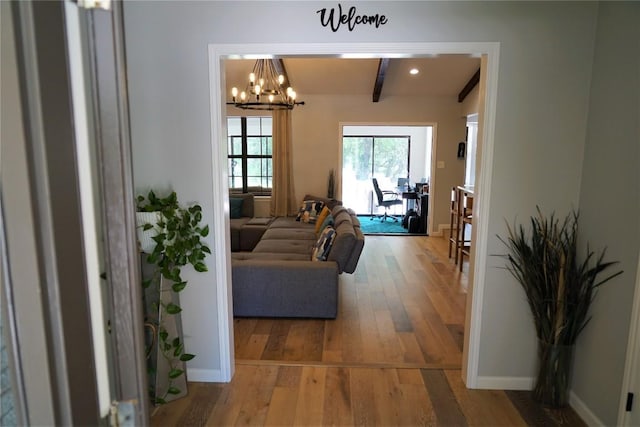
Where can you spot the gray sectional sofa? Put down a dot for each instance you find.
(278, 277)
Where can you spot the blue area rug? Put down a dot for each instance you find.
(373, 225)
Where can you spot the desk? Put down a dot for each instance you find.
(408, 197)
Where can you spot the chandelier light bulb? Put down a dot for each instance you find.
(265, 89)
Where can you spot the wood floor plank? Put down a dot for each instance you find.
(457, 333)
(202, 400)
(275, 346)
(390, 346)
(337, 398)
(314, 339)
(444, 402)
(410, 348)
(284, 397)
(171, 413)
(309, 408)
(295, 341)
(257, 398)
(227, 408)
(429, 344)
(254, 347)
(484, 407)
(363, 402)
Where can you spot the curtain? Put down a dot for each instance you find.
(283, 201)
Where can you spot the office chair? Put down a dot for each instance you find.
(386, 199)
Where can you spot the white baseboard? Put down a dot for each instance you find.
(206, 375)
(443, 230)
(583, 410)
(505, 383)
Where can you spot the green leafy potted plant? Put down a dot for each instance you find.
(176, 234)
(560, 287)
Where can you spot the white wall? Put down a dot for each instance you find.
(546, 53)
(610, 204)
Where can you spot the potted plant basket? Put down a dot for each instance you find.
(560, 287)
(170, 238)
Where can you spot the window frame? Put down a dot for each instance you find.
(243, 157)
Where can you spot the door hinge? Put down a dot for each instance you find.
(95, 4)
(629, 402)
(123, 413)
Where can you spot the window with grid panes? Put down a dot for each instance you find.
(250, 146)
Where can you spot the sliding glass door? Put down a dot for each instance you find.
(364, 157)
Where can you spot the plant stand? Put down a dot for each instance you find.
(159, 366)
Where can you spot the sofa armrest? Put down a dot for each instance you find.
(266, 288)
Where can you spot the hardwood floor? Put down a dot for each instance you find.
(391, 357)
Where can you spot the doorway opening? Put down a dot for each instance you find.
(218, 53)
(399, 157)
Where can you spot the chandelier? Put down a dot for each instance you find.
(265, 90)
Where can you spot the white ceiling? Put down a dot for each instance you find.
(443, 75)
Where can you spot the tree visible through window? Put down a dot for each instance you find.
(250, 149)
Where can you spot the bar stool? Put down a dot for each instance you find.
(454, 220)
(466, 218)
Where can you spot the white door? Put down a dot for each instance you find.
(86, 316)
(629, 413)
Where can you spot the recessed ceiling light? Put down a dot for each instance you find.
(414, 71)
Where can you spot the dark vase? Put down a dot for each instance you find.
(554, 374)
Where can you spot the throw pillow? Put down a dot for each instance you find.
(325, 212)
(327, 222)
(235, 207)
(323, 245)
(309, 211)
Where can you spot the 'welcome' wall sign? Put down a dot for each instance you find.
(351, 19)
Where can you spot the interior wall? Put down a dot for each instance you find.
(541, 110)
(609, 204)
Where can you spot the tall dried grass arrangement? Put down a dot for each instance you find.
(559, 286)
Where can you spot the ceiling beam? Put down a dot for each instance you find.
(382, 70)
(278, 64)
(473, 81)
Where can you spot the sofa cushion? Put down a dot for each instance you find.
(236, 228)
(269, 256)
(290, 233)
(343, 245)
(341, 217)
(289, 222)
(354, 256)
(285, 246)
(323, 246)
(235, 207)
